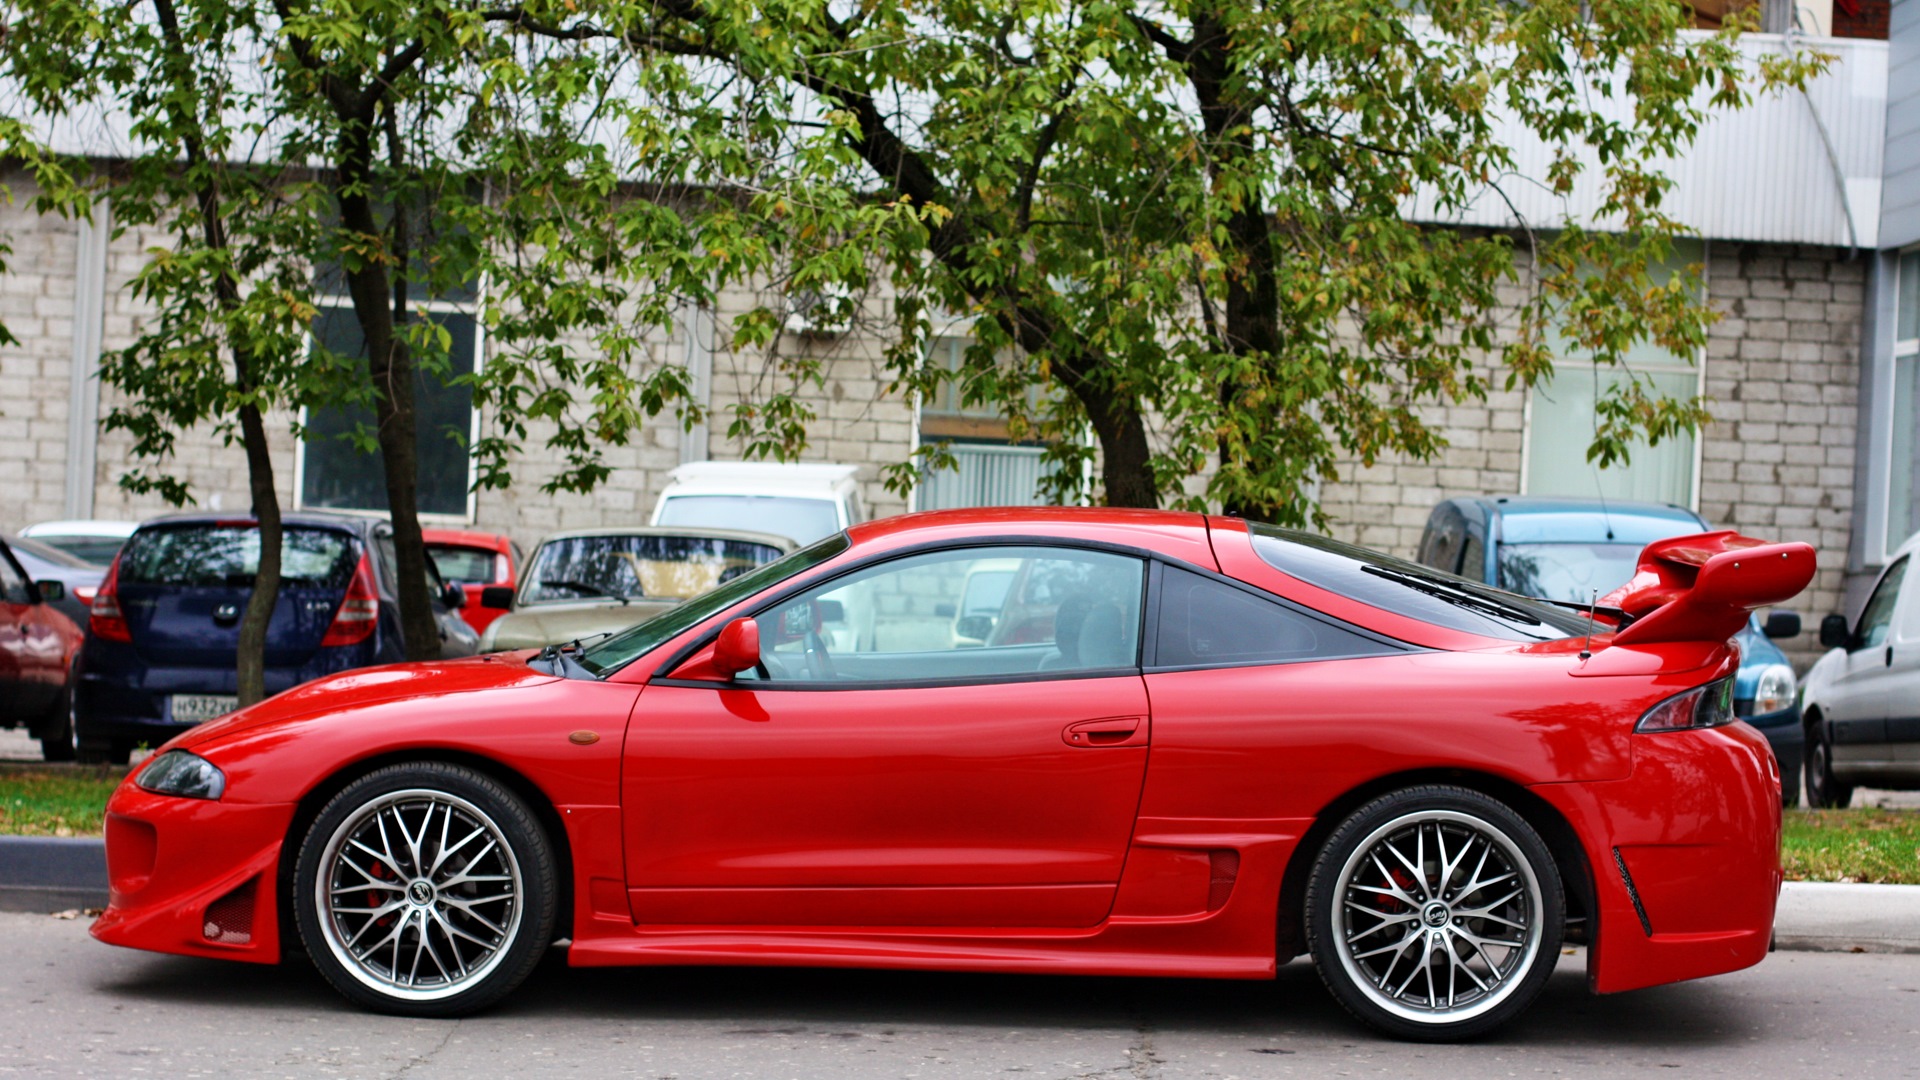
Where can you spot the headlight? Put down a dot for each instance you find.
(1702, 707)
(189, 776)
(1774, 691)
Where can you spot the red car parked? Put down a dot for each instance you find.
(474, 561)
(38, 647)
(1164, 744)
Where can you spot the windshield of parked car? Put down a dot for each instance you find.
(636, 567)
(92, 550)
(1574, 573)
(623, 648)
(803, 520)
(209, 555)
(1407, 588)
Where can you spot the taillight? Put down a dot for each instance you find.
(1702, 707)
(353, 623)
(104, 619)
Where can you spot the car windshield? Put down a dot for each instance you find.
(1574, 573)
(623, 648)
(633, 567)
(1407, 588)
(26, 548)
(208, 555)
(803, 520)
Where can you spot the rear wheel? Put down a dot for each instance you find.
(57, 742)
(1435, 913)
(425, 889)
(1823, 790)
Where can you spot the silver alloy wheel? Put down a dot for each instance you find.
(420, 894)
(1438, 917)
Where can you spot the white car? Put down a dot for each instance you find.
(96, 542)
(1862, 703)
(803, 502)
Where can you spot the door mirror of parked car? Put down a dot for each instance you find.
(454, 596)
(738, 648)
(51, 592)
(1834, 632)
(1783, 624)
(976, 627)
(497, 597)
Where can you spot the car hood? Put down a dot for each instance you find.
(352, 690)
(552, 624)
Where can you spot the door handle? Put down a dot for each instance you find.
(1889, 656)
(1107, 731)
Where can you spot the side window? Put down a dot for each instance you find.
(1205, 623)
(1441, 548)
(13, 583)
(965, 614)
(1875, 617)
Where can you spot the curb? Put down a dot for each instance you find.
(44, 873)
(51, 873)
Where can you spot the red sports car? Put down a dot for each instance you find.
(1021, 740)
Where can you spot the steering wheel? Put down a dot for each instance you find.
(819, 664)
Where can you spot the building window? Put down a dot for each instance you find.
(1561, 425)
(990, 469)
(1906, 360)
(339, 464)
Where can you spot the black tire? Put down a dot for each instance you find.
(433, 898)
(1824, 791)
(1379, 983)
(57, 742)
(1790, 788)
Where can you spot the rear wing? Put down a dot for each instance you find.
(1704, 587)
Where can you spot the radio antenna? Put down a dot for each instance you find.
(1586, 647)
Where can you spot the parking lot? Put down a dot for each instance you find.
(78, 1008)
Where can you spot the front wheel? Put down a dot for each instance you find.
(1824, 791)
(425, 889)
(57, 742)
(1435, 913)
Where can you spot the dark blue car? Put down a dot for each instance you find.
(163, 635)
(1574, 549)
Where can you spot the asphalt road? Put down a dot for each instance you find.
(73, 1007)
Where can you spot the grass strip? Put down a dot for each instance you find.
(1874, 846)
(55, 800)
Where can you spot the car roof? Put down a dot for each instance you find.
(774, 540)
(358, 524)
(1545, 519)
(759, 477)
(464, 538)
(1175, 533)
(120, 529)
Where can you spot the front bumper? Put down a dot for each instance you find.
(195, 877)
(1685, 857)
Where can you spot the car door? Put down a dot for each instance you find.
(896, 775)
(1900, 703)
(1857, 707)
(16, 612)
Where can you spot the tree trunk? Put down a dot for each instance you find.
(390, 366)
(250, 659)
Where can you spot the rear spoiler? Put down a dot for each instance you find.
(1704, 587)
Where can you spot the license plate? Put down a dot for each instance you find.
(195, 708)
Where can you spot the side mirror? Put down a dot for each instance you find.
(454, 596)
(51, 592)
(497, 597)
(973, 626)
(830, 611)
(1783, 624)
(1834, 632)
(738, 648)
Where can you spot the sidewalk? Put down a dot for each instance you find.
(46, 874)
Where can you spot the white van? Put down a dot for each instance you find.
(803, 502)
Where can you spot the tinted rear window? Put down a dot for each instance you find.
(1407, 588)
(210, 555)
(463, 564)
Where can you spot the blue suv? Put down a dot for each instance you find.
(163, 634)
(1571, 549)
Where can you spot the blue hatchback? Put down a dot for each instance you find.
(1574, 549)
(163, 634)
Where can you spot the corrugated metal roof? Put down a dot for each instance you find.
(1761, 173)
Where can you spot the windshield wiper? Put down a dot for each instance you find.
(564, 660)
(1457, 596)
(584, 587)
